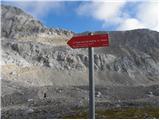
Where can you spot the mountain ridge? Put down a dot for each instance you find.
(17, 24)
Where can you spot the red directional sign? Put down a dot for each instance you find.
(87, 41)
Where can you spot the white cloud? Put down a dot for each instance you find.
(130, 23)
(148, 14)
(146, 17)
(115, 13)
(38, 9)
(104, 11)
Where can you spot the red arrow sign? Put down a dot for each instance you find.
(86, 41)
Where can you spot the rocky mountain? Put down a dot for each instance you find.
(42, 76)
(133, 54)
(17, 24)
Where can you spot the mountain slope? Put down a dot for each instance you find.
(131, 54)
(17, 24)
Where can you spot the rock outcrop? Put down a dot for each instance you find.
(17, 24)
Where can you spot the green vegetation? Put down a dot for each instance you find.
(119, 113)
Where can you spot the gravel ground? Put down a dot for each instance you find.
(51, 102)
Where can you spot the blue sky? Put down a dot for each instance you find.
(68, 19)
(80, 16)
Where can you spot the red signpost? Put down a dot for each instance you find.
(89, 41)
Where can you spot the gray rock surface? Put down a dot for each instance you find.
(124, 57)
(17, 24)
(15, 21)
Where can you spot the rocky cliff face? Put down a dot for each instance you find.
(131, 58)
(17, 24)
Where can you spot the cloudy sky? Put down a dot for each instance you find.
(80, 16)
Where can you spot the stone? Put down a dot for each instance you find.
(98, 94)
(29, 100)
(30, 110)
(12, 73)
(150, 94)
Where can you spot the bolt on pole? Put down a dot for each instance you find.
(91, 83)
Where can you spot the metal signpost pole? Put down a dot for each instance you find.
(89, 41)
(91, 84)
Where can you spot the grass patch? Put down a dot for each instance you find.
(118, 113)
